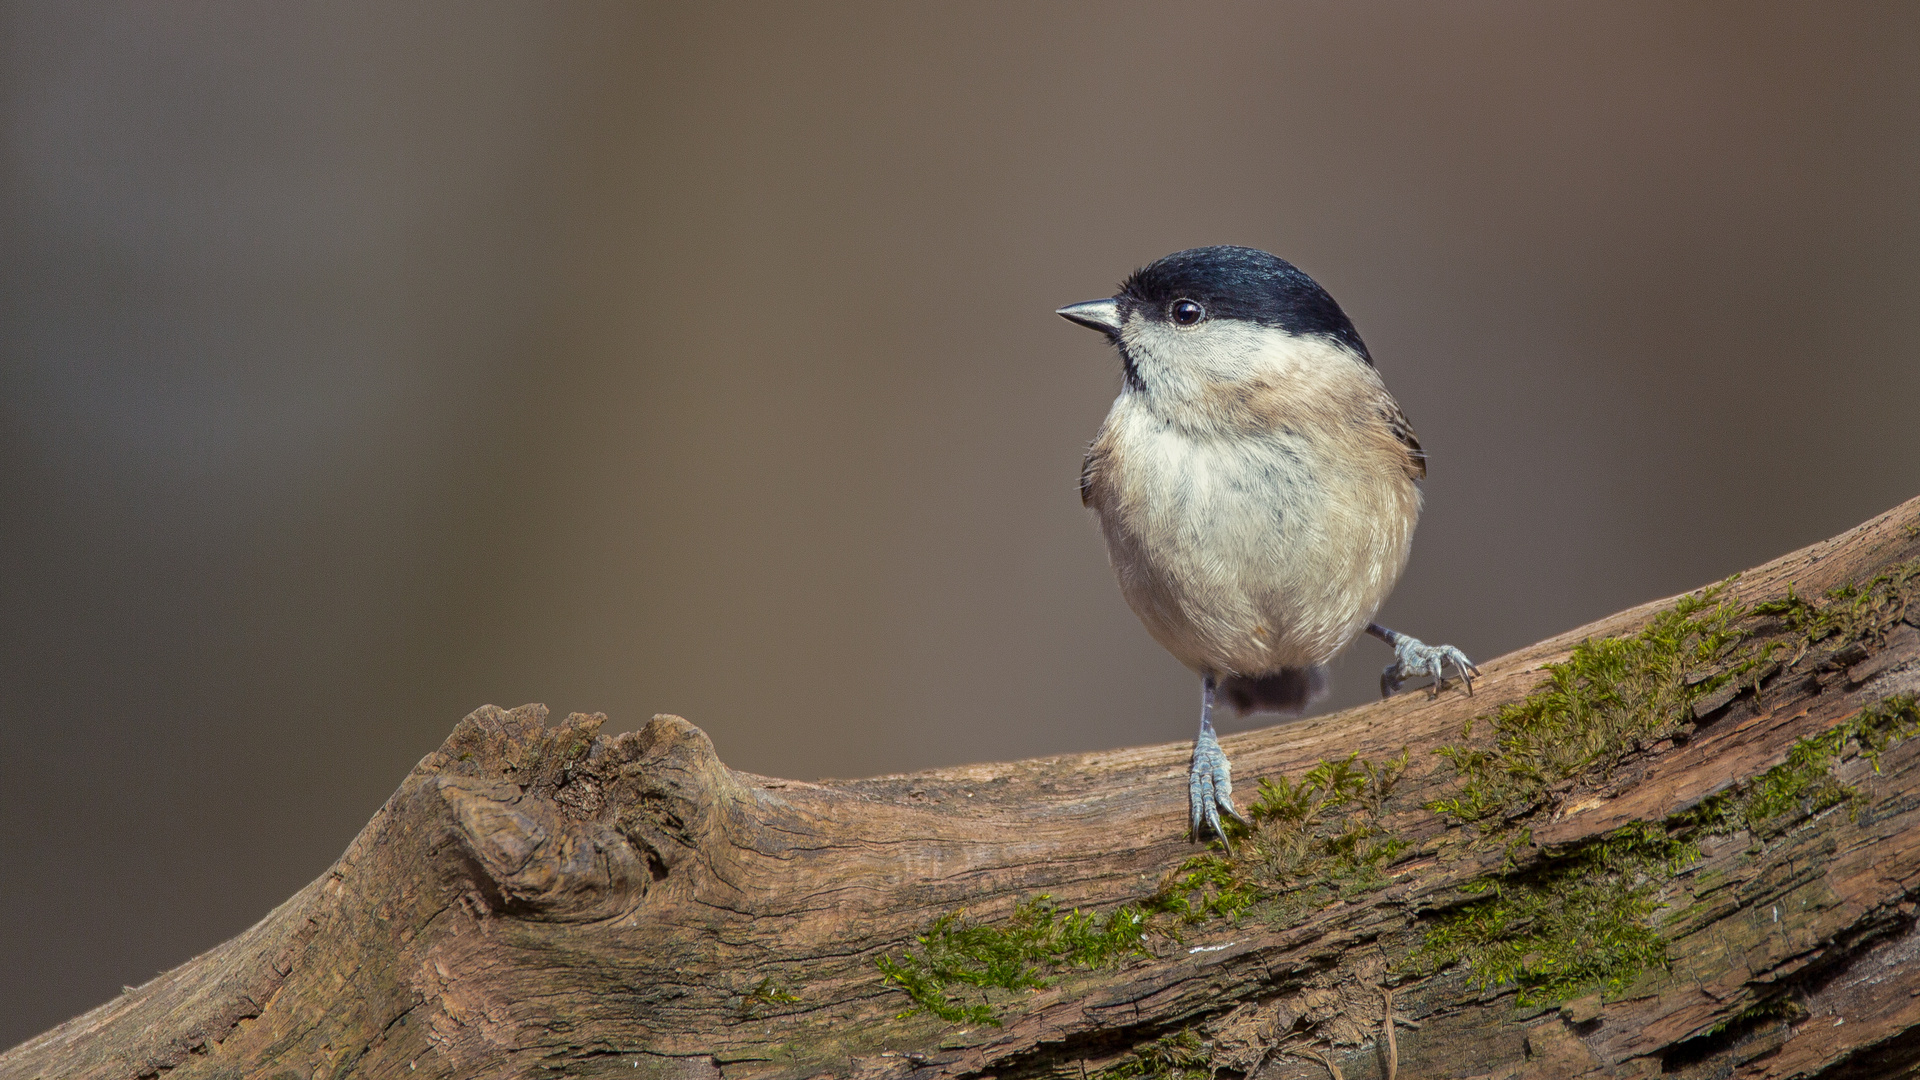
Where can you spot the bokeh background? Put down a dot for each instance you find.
(362, 364)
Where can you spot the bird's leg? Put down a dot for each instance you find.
(1209, 778)
(1413, 658)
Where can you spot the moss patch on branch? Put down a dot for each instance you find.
(1611, 696)
(1556, 930)
(1585, 918)
(766, 994)
(1322, 838)
(1316, 839)
(1180, 1056)
(1563, 925)
(956, 952)
(1607, 697)
(1860, 612)
(1804, 784)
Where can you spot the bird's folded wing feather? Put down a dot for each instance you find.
(1096, 456)
(1396, 421)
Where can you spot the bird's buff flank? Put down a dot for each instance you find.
(1257, 485)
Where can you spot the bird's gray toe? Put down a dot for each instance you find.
(1414, 658)
(1210, 790)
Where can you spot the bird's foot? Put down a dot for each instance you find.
(1414, 658)
(1210, 790)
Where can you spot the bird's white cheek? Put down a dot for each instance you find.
(1177, 356)
(1184, 360)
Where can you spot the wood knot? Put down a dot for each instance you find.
(529, 820)
(558, 824)
(526, 857)
(517, 744)
(674, 795)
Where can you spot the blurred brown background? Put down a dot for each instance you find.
(360, 365)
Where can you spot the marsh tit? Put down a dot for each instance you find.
(1258, 488)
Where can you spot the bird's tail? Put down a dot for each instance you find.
(1288, 691)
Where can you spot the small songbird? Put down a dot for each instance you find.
(1257, 485)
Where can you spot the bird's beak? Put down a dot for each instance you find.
(1101, 315)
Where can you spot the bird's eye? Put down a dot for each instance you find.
(1186, 312)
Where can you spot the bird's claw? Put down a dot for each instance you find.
(1210, 790)
(1414, 658)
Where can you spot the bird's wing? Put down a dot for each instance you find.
(1096, 456)
(1416, 463)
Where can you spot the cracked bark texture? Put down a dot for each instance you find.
(539, 900)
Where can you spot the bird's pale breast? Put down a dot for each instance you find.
(1248, 551)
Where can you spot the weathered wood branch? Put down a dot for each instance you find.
(539, 900)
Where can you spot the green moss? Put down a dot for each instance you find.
(1732, 1031)
(1760, 1012)
(1309, 840)
(1858, 612)
(1879, 726)
(1607, 697)
(1321, 838)
(956, 951)
(1580, 921)
(767, 993)
(1584, 919)
(1209, 886)
(1575, 920)
(1181, 1056)
(1613, 695)
(1804, 784)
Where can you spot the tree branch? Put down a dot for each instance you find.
(1690, 845)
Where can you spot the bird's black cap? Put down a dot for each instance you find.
(1241, 283)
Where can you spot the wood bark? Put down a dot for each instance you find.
(539, 900)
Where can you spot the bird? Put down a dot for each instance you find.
(1257, 487)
